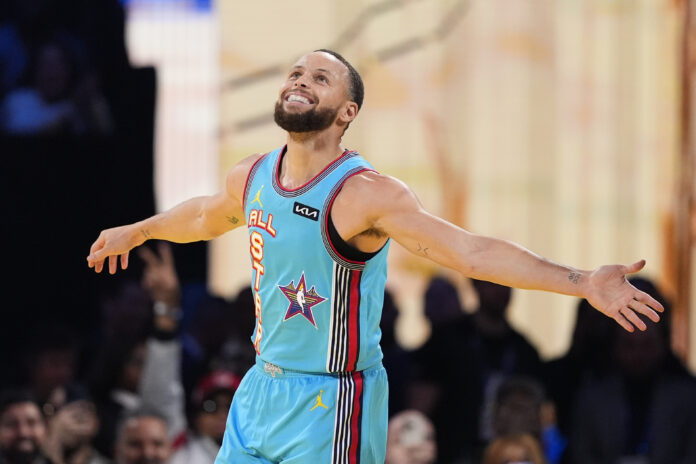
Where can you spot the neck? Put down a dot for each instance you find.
(307, 154)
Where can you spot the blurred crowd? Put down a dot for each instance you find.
(156, 384)
(160, 385)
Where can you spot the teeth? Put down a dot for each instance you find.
(298, 98)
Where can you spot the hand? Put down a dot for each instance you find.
(113, 243)
(159, 275)
(71, 427)
(610, 292)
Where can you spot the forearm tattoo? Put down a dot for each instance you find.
(574, 277)
(423, 250)
(146, 233)
(232, 219)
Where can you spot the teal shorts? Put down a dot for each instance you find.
(278, 416)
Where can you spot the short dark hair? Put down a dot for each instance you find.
(13, 396)
(137, 413)
(356, 89)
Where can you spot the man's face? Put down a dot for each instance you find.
(143, 440)
(212, 418)
(22, 431)
(315, 90)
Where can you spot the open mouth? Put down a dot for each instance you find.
(298, 98)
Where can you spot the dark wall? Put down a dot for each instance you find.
(56, 195)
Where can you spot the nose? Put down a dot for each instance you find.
(301, 82)
(24, 430)
(150, 452)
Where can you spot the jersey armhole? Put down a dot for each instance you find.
(250, 179)
(340, 247)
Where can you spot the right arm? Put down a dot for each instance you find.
(199, 218)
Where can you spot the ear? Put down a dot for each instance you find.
(349, 112)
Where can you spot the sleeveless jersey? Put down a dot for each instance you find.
(316, 310)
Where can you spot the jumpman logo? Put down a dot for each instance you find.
(257, 198)
(319, 403)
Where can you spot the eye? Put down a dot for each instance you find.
(294, 75)
(322, 78)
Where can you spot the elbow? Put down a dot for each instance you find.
(469, 262)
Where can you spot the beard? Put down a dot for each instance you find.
(308, 121)
(18, 456)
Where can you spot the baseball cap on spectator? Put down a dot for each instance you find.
(214, 382)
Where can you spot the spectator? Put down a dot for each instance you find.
(57, 98)
(460, 367)
(521, 408)
(141, 368)
(52, 361)
(212, 327)
(42, 105)
(500, 349)
(210, 404)
(441, 304)
(116, 386)
(22, 429)
(32, 23)
(396, 360)
(585, 361)
(645, 411)
(411, 439)
(237, 354)
(517, 408)
(143, 437)
(514, 449)
(71, 428)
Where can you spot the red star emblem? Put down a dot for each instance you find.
(301, 300)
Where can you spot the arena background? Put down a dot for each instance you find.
(560, 125)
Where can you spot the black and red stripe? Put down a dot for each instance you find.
(348, 424)
(344, 332)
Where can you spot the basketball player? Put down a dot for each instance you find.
(320, 220)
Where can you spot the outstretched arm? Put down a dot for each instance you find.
(397, 213)
(199, 218)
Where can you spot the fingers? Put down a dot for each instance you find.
(113, 264)
(644, 310)
(635, 267)
(97, 245)
(623, 322)
(96, 260)
(633, 318)
(93, 250)
(98, 254)
(650, 301)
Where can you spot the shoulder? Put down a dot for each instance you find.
(236, 179)
(377, 192)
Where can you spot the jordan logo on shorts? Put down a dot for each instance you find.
(319, 402)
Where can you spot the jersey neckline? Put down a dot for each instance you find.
(313, 181)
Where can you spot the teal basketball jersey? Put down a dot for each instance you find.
(316, 309)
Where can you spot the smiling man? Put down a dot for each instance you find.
(320, 220)
(22, 429)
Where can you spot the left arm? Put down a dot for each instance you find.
(396, 212)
